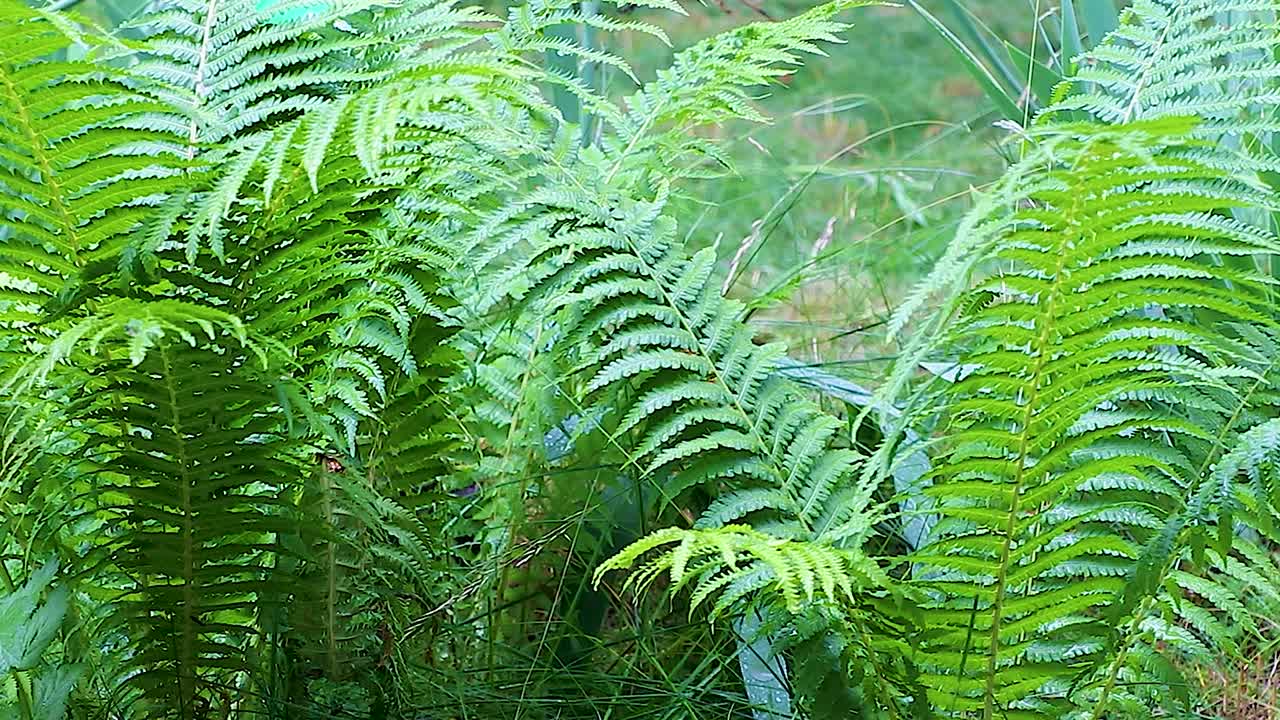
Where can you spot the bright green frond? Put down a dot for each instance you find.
(1084, 360)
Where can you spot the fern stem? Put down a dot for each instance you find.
(202, 66)
(1147, 69)
(185, 670)
(331, 577)
(504, 575)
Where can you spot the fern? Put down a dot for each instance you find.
(189, 479)
(1253, 462)
(1194, 590)
(368, 554)
(348, 296)
(1063, 451)
(190, 429)
(679, 386)
(1071, 532)
(701, 402)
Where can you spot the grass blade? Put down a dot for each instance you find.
(1043, 78)
(1007, 105)
(1071, 45)
(992, 53)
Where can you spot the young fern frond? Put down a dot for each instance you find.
(1062, 435)
(414, 439)
(365, 547)
(730, 562)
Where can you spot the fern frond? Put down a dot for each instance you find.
(1172, 59)
(708, 84)
(76, 176)
(709, 561)
(688, 391)
(239, 65)
(1062, 441)
(191, 481)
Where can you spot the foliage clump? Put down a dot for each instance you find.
(335, 358)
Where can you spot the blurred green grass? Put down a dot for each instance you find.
(855, 188)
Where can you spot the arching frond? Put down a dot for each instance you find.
(664, 360)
